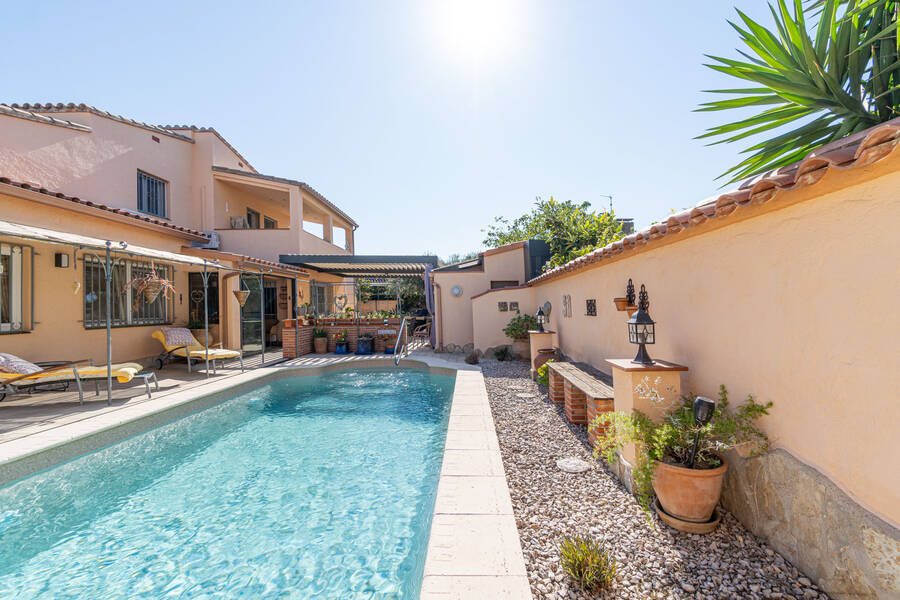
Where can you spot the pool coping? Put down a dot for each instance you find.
(473, 547)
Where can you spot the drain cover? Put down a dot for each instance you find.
(572, 464)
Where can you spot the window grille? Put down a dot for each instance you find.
(151, 194)
(128, 307)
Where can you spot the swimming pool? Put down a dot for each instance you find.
(308, 487)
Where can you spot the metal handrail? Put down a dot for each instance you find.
(398, 350)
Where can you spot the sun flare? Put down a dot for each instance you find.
(477, 33)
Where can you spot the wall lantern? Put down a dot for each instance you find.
(61, 259)
(641, 329)
(703, 413)
(540, 319)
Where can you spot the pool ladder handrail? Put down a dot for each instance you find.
(398, 349)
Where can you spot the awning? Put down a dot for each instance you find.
(73, 239)
(350, 265)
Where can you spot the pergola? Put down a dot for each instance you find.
(360, 265)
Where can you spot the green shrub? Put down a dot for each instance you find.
(503, 353)
(318, 332)
(519, 326)
(587, 562)
(543, 373)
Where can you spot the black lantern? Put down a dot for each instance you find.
(703, 413)
(641, 329)
(540, 319)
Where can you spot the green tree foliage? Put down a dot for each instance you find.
(829, 69)
(571, 229)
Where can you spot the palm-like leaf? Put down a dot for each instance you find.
(828, 81)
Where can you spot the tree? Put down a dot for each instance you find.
(457, 257)
(572, 230)
(842, 80)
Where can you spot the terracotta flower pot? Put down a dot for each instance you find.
(543, 355)
(321, 345)
(621, 303)
(521, 348)
(631, 309)
(689, 494)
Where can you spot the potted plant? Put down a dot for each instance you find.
(621, 303)
(150, 285)
(517, 330)
(679, 460)
(340, 343)
(320, 340)
(364, 345)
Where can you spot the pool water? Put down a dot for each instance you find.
(310, 487)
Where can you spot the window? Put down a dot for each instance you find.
(151, 194)
(502, 284)
(252, 218)
(128, 307)
(15, 288)
(195, 284)
(269, 223)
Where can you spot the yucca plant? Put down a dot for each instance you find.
(826, 79)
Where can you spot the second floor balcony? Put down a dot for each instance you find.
(266, 216)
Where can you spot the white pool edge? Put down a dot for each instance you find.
(473, 548)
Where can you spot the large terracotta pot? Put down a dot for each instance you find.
(521, 348)
(543, 355)
(689, 494)
(321, 344)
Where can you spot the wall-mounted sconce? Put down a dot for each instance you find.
(61, 260)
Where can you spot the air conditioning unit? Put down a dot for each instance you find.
(212, 244)
(239, 223)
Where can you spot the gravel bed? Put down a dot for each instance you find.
(654, 560)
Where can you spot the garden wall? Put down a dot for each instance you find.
(790, 301)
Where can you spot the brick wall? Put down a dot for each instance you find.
(557, 391)
(595, 406)
(576, 412)
(290, 345)
(334, 327)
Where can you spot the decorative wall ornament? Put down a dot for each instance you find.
(567, 306)
(456, 291)
(502, 306)
(591, 307)
(547, 307)
(514, 306)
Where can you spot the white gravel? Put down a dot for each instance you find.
(654, 560)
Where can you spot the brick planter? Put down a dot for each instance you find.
(557, 389)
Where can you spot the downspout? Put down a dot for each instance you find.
(438, 304)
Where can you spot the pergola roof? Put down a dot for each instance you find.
(349, 265)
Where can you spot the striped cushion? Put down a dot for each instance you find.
(16, 366)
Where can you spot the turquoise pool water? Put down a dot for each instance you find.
(311, 487)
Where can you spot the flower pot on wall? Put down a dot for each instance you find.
(621, 303)
(320, 344)
(688, 494)
(631, 309)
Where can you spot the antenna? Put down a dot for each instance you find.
(610, 200)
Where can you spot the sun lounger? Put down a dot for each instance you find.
(179, 341)
(77, 371)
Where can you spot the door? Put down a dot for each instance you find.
(251, 324)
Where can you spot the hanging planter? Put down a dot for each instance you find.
(150, 285)
(621, 303)
(631, 309)
(241, 296)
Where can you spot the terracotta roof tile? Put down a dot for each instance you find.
(194, 128)
(111, 209)
(14, 111)
(857, 150)
(59, 107)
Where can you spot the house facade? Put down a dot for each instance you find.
(75, 170)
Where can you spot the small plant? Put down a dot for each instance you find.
(320, 333)
(503, 353)
(340, 337)
(587, 562)
(671, 441)
(543, 373)
(519, 326)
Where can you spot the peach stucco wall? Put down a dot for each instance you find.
(489, 321)
(456, 312)
(789, 301)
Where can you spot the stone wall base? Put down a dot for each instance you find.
(797, 510)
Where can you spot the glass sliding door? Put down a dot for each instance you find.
(251, 325)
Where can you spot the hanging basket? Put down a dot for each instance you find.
(241, 296)
(152, 290)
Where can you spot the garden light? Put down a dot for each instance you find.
(540, 319)
(642, 330)
(703, 413)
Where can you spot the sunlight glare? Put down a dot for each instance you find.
(478, 33)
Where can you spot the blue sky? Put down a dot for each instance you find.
(422, 120)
